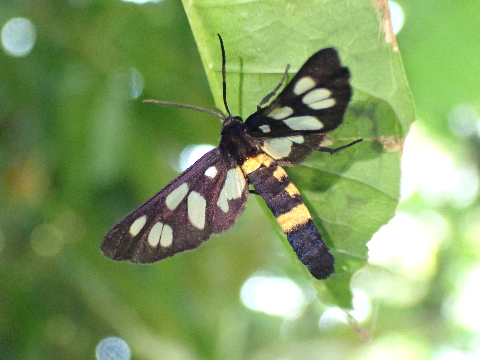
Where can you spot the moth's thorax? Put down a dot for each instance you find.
(236, 142)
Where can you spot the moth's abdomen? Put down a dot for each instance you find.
(311, 250)
(284, 200)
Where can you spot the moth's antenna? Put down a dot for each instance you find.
(224, 81)
(185, 107)
(224, 86)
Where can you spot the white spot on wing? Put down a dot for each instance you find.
(264, 128)
(138, 225)
(176, 196)
(280, 113)
(316, 95)
(304, 123)
(154, 234)
(323, 104)
(296, 139)
(167, 236)
(222, 201)
(211, 172)
(303, 85)
(319, 99)
(234, 183)
(277, 148)
(196, 209)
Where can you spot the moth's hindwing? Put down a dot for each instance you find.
(206, 199)
(291, 150)
(311, 104)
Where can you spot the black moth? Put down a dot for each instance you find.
(208, 197)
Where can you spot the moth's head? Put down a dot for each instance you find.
(232, 121)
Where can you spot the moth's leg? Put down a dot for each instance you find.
(332, 151)
(269, 96)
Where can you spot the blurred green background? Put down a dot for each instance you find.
(78, 150)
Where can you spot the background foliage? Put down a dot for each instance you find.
(78, 150)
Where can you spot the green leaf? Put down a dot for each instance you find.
(351, 194)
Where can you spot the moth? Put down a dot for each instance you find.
(209, 196)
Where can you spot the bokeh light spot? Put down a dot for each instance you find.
(466, 306)
(464, 120)
(397, 16)
(335, 316)
(273, 295)
(453, 354)
(332, 317)
(113, 348)
(18, 37)
(406, 245)
(391, 287)
(362, 307)
(431, 171)
(191, 154)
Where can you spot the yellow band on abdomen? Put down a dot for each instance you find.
(253, 163)
(291, 220)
